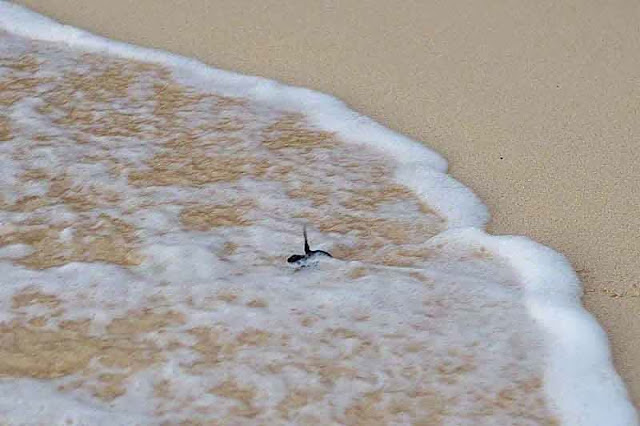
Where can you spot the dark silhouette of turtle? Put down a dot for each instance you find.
(309, 256)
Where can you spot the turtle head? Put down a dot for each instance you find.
(295, 258)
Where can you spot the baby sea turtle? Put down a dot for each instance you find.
(310, 257)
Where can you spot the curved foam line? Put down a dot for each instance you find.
(592, 394)
(424, 169)
(580, 376)
(580, 381)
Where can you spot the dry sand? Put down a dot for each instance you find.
(535, 104)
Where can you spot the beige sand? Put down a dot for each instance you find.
(535, 104)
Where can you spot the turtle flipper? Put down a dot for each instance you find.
(307, 250)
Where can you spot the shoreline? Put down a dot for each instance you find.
(507, 161)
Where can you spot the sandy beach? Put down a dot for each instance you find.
(535, 106)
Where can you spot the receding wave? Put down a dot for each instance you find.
(147, 210)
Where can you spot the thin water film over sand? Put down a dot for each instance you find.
(144, 231)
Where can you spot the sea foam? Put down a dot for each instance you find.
(149, 202)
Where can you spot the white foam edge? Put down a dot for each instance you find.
(580, 381)
(419, 167)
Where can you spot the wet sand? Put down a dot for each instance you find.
(535, 105)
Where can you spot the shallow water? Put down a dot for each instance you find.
(145, 224)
